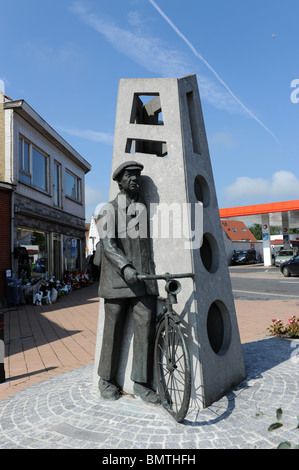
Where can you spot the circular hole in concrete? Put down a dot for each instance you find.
(219, 327)
(201, 189)
(209, 253)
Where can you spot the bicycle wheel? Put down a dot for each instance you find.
(173, 370)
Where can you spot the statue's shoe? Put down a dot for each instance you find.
(108, 390)
(146, 393)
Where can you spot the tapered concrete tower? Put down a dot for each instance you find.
(159, 123)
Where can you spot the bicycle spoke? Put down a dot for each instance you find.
(178, 394)
(171, 391)
(172, 369)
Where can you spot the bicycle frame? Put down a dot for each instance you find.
(167, 311)
(172, 291)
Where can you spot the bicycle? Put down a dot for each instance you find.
(171, 354)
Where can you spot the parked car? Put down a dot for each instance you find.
(244, 257)
(282, 256)
(290, 267)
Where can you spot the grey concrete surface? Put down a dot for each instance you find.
(66, 412)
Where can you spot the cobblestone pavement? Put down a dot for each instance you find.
(48, 400)
(66, 412)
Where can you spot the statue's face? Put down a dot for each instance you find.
(130, 181)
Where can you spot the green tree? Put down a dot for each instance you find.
(275, 230)
(256, 230)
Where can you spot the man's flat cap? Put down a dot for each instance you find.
(126, 166)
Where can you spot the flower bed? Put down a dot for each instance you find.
(289, 329)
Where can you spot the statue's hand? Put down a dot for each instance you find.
(130, 275)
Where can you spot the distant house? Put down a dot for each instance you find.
(237, 231)
(238, 237)
(92, 236)
(87, 227)
(42, 202)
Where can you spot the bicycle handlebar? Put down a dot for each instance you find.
(166, 276)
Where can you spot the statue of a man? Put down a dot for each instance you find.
(125, 252)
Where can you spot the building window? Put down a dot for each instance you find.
(32, 165)
(24, 173)
(73, 186)
(57, 184)
(32, 253)
(39, 169)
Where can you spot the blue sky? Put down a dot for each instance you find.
(65, 59)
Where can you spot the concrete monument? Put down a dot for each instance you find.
(159, 124)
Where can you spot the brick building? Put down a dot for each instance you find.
(6, 190)
(42, 203)
(5, 223)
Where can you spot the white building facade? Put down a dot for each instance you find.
(47, 181)
(93, 237)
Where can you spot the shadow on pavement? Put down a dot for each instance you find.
(29, 326)
(259, 357)
(262, 355)
(30, 374)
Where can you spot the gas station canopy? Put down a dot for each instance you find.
(253, 214)
(277, 214)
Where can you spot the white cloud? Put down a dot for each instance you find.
(154, 54)
(134, 19)
(144, 50)
(285, 182)
(282, 185)
(88, 134)
(210, 68)
(2, 86)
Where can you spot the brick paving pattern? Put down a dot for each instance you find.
(48, 400)
(47, 340)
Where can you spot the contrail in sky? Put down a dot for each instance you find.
(197, 54)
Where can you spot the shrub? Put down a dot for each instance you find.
(289, 329)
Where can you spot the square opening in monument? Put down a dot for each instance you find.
(146, 109)
(151, 147)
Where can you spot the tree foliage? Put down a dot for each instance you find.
(256, 230)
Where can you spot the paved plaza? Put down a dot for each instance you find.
(49, 401)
